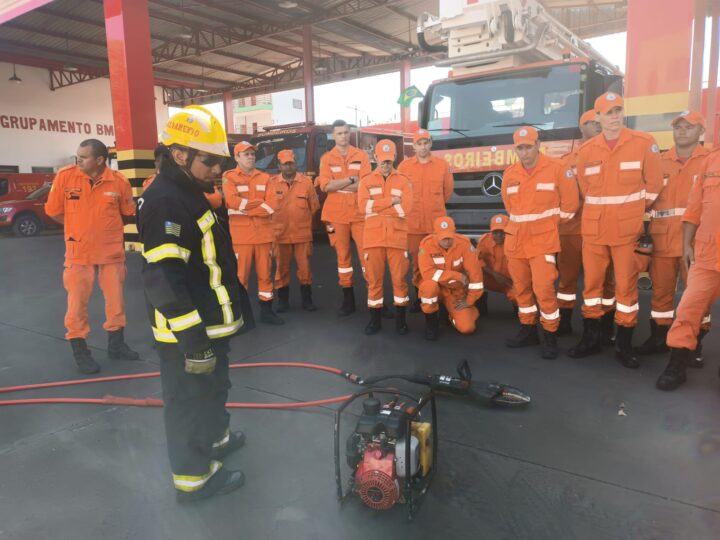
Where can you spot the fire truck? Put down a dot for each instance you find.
(512, 65)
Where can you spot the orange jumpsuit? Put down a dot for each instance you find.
(617, 185)
(432, 185)
(250, 207)
(385, 234)
(536, 202)
(493, 256)
(296, 204)
(449, 276)
(666, 230)
(343, 220)
(93, 242)
(215, 198)
(703, 284)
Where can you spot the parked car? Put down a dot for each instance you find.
(27, 217)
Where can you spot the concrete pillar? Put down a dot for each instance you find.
(308, 75)
(698, 48)
(127, 26)
(712, 134)
(404, 83)
(229, 112)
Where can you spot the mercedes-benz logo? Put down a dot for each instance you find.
(492, 184)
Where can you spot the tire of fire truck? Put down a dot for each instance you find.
(26, 225)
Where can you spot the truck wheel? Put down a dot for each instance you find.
(26, 225)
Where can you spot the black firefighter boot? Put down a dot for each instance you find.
(375, 324)
(415, 307)
(674, 374)
(118, 349)
(607, 328)
(348, 305)
(549, 346)
(267, 315)
(283, 294)
(655, 343)
(432, 325)
(401, 326)
(306, 295)
(696, 360)
(590, 342)
(84, 360)
(565, 322)
(526, 337)
(624, 349)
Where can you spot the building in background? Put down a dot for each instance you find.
(251, 114)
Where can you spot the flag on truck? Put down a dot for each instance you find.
(410, 93)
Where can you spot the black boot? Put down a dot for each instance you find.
(235, 441)
(222, 482)
(565, 322)
(549, 347)
(674, 374)
(415, 308)
(527, 336)
(387, 313)
(375, 324)
(306, 295)
(482, 305)
(696, 360)
(432, 325)
(590, 342)
(655, 343)
(348, 305)
(607, 326)
(118, 349)
(84, 360)
(267, 315)
(401, 326)
(283, 295)
(623, 347)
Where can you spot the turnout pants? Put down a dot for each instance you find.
(262, 256)
(703, 288)
(596, 261)
(78, 280)
(196, 420)
(431, 293)
(284, 253)
(341, 239)
(490, 284)
(664, 272)
(413, 249)
(534, 279)
(569, 268)
(375, 273)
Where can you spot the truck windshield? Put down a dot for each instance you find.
(269, 146)
(548, 98)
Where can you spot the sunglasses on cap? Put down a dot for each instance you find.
(210, 161)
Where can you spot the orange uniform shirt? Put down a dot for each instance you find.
(215, 198)
(250, 206)
(492, 255)
(536, 203)
(448, 267)
(432, 185)
(703, 209)
(678, 178)
(385, 223)
(618, 186)
(571, 226)
(296, 203)
(342, 206)
(92, 214)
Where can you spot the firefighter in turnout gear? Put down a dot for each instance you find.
(539, 192)
(194, 301)
(452, 275)
(385, 196)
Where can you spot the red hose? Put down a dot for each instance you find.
(151, 402)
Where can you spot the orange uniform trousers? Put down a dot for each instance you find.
(534, 279)
(569, 267)
(664, 272)
(78, 280)
(490, 284)
(398, 263)
(703, 288)
(284, 253)
(432, 294)
(597, 259)
(413, 249)
(341, 238)
(262, 254)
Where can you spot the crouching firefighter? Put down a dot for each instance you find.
(452, 274)
(195, 303)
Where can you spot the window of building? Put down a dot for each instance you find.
(9, 168)
(297, 104)
(43, 170)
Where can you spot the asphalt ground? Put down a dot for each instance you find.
(569, 466)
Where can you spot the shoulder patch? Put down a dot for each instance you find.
(655, 149)
(172, 229)
(568, 174)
